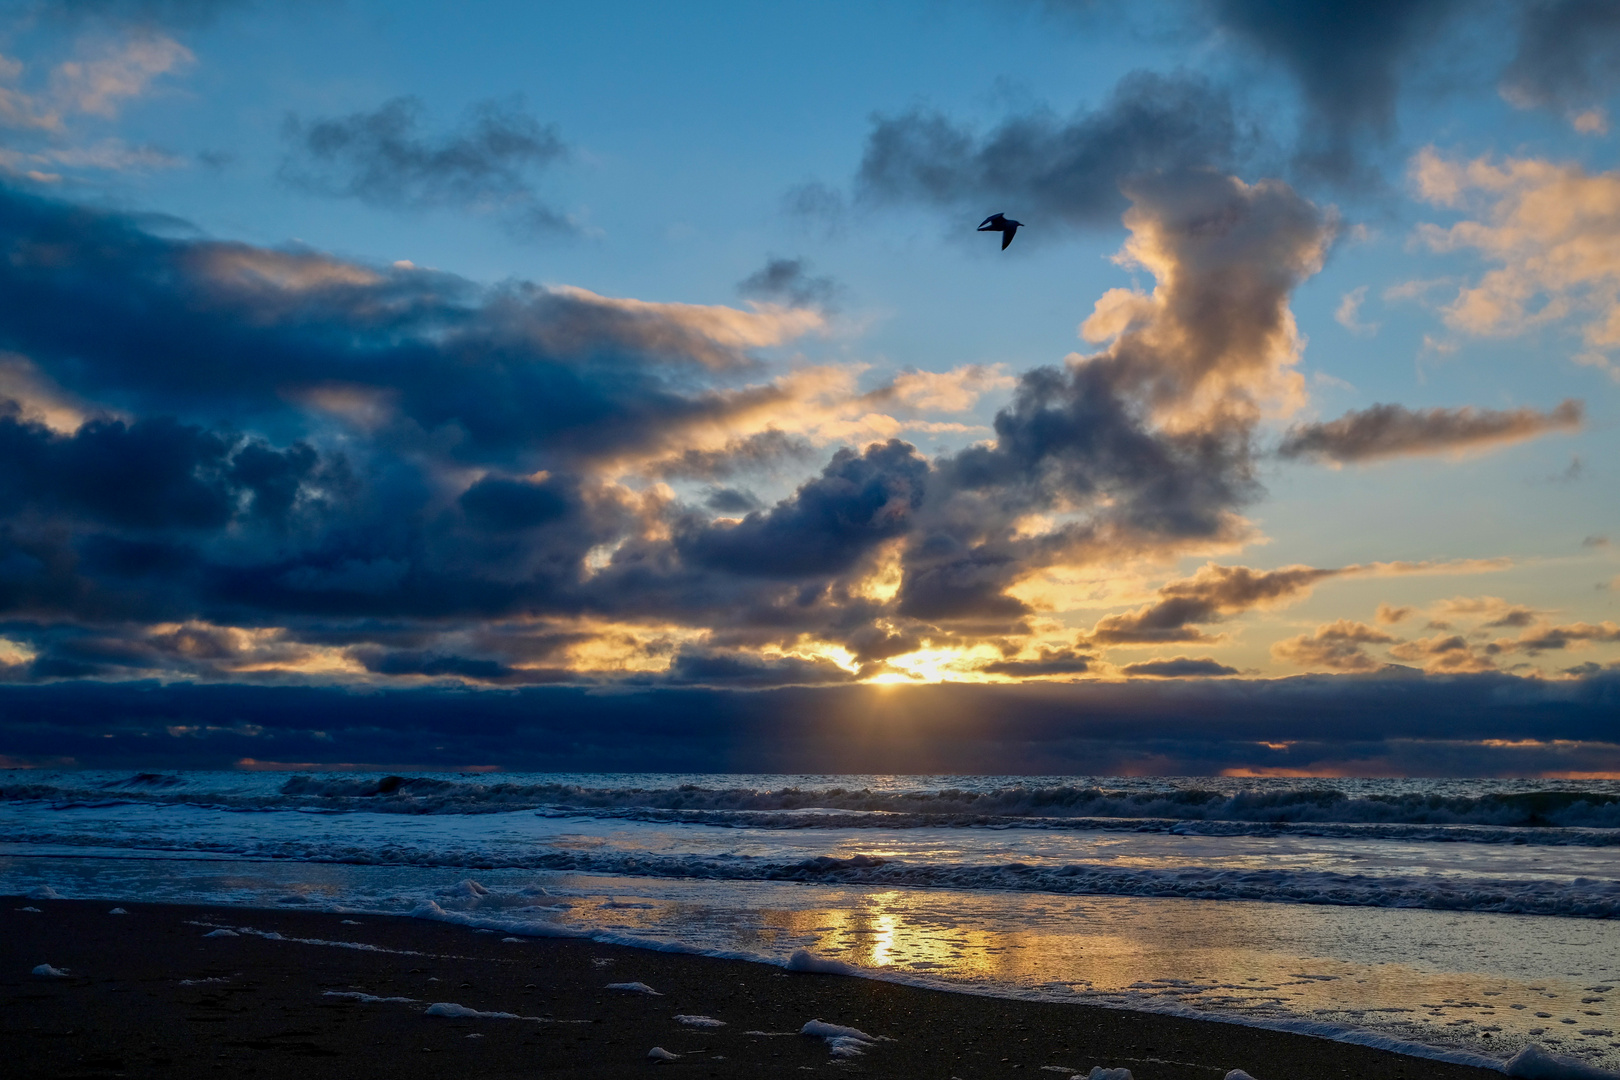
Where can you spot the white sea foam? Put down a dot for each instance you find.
(658, 1053)
(462, 1012)
(842, 1041)
(50, 972)
(370, 999)
(43, 892)
(634, 988)
(222, 932)
(1098, 1072)
(118, 911)
(1238, 1074)
(699, 1021)
(805, 960)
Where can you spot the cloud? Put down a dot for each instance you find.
(1444, 653)
(758, 452)
(97, 83)
(1568, 58)
(952, 391)
(1212, 595)
(1048, 663)
(1348, 313)
(1386, 431)
(828, 525)
(1144, 445)
(1389, 614)
(1182, 667)
(788, 281)
(382, 158)
(1040, 167)
(1547, 638)
(96, 86)
(1553, 231)
(1346, 56)
(1337, 646)
(1468, 725)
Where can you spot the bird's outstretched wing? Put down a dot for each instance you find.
(1006, 237)
(992, 223)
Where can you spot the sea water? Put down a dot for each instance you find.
(1454, 918)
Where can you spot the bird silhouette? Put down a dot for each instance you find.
(1002, 224)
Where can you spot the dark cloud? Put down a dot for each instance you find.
(1182, 667)
(752, 453)
(1049, 664)
(1393, 430)
(859, 502)
(1214, 594)
(383, 158)
(726, 669)
(788, 281)
(1348, 58)
(1396, 724)
(1568, 54)
(730, 501)
(1562, 637)
(1045, 169)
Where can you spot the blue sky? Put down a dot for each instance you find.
(625, 346)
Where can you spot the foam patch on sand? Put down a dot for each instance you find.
(842, 1041)
(118, 911)
(222, 932)
(43, 892)
(50, 972)
(699, 1021)
(1534, 1063)
(462, 1012)
(634, 988)
(369, 999)
(658, 1053)
(1238, 1074)
(805, 960)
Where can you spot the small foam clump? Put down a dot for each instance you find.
(349, 922)
(222, 932)
(699, 1021)
(805, 960)
(369, 999)
(634, 988)
(462, 1012)
(658, 1053)
(466, 888)
(43, 892)
(842, 1041)
(35, 910)
(1534, 1063)
(118, 911)
(50, 972)
(1238, 1074)
(1099, 1073)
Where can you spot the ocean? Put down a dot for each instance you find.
(1458, 919)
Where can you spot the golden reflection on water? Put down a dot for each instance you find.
(1266, 961)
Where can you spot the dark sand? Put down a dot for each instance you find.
(123, 1010)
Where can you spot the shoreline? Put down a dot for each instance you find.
(146, 994)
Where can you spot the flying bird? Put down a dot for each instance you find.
(1002, 224)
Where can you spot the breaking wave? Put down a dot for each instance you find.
(1588, 816)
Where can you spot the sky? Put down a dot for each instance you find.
(531, 385)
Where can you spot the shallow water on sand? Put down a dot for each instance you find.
(1476, 982)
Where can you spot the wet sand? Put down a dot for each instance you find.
(147, 994)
